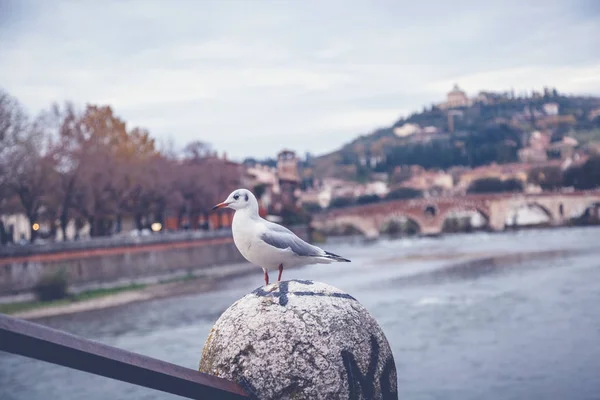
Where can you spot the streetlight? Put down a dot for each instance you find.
(35, 227)
(156, 226)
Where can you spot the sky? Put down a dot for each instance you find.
(252, 77)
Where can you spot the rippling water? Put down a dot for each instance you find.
(482, 316)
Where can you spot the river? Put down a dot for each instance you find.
(511, 315)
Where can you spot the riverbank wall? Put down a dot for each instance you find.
(21, 268)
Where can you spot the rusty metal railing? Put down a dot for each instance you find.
(42, 343)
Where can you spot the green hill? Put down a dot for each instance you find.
(491, 129)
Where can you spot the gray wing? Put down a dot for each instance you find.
(271, 226)
(283, 239)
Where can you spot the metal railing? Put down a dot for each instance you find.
(42, 343)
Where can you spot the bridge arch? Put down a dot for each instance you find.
(528, 214)
(588, 214)
(347, 226)
(464, 219)
(400, 224)
(593, 210)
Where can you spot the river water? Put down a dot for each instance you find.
(482, 316)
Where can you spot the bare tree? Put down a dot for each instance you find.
(13, 123)
(90, 144)
(197, 150)
(202, 181)
(113, 172)
(13, 120)
(31, 175)
(69, 155)
(87, 166)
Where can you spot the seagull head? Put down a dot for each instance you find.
(238, 200)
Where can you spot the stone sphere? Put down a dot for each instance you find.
(301, 340)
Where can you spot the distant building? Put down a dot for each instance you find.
(549, 121)
(332, 188)
(550, 108)
(287, 166)
(431, 130)
(279, 186)
(427, 180)
(491, 97)
(16, 226)
(565, 149)
(539, 140)
(593, 114)
(457, 98)
(265, 177)
(322, 198)
(288, 177)
(372, 188)
(370, 161)
(536, 151)
(501, 171)
(532, 155)
(407, 130)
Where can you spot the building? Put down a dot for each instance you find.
(593, 114)
(262, 180)
(565, 149)
(552, 121)
(371, 161)
(425, 181)
(539, 142)
(503, 172)
(277, 187)
(532, 155)
(550, 108)
(332, 188)
(288, 178)
(17, 230)
(407, 130)
(16, 227)
(457, 98)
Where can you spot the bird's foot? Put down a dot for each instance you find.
(280, 272)
(266, 278)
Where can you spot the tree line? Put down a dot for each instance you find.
(90, 167)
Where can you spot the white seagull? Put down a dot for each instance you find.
(267, 244)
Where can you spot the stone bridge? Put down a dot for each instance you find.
(429, 214)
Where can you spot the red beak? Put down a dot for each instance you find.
(220, 205)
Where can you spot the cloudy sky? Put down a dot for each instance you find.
(253, 76)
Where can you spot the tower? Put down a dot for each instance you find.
(288, 176)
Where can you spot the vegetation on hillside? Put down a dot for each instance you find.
(482, 134)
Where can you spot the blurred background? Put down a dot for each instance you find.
(451, 150)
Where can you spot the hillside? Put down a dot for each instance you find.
(492, 127)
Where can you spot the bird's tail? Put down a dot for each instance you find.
(335, 257)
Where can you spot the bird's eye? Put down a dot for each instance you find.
(246, 197)
(236, 196)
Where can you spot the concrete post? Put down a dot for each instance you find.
(301, 340)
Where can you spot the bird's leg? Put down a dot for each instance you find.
(266, 276)
(280, 272)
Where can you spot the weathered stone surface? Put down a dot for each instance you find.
(301, 340)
